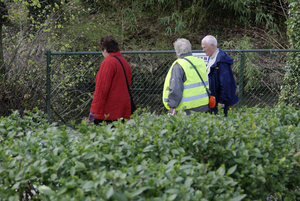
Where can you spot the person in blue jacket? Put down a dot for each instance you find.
(220, 77)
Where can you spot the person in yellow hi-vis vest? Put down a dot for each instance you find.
(183, 88)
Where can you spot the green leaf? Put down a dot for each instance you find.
(231, 170)
(172, 197)
(139, 191)
(188, 182)
(14, 198)
(108, 156)
(163, 132)
(120, 196)
(175, 151)
(71, 184)
(19, 176)
(185, 167)
(93, 135)
(185, 158)
(282, 160)
(238, 160)
(88, 186)
(55, 151)
(2, 169)
(62, 162)
(46, 190)
(72, 171)
(3, 131)
(79, 166)
(43, 169)
(173, 191)
(90, 155)
(258, 155)
(110, 192)
(62, 190)
(238, 198)
(16, 185)
(171, 163)
(178, 179)
(149, 148)
(168, 176)
(53, 177)
(221, 171)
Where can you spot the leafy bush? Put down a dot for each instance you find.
(290, 88)
(247, 156)
(32, 30)
(253, 74)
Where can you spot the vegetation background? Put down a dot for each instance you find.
(251, 155)
(29, 28)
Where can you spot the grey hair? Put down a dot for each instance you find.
(182, 46)
(210, 40)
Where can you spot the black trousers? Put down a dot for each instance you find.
(99, 121)
(215, 110)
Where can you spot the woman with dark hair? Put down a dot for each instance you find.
(111, 98)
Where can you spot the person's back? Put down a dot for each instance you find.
(221, 81)
(183, 88)
(111, 99)
(217, 80)
(114, 97)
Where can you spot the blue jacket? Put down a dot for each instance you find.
(221, 80)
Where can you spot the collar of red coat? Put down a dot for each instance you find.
(114, 54)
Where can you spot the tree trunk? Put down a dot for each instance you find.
(3, 20)
(2, 66)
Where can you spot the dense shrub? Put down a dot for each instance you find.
(290, 88)
(247, 156)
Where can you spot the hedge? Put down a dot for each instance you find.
(250, 155)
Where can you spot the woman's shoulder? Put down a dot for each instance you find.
(109, 60)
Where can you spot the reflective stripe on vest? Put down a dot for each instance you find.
(193, 85)
(192, 98)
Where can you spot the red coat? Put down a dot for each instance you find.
(111, 97)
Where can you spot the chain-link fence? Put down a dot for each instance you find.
(71, 79)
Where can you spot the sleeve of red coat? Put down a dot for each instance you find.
(102, 86)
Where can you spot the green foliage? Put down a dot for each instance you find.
(193, 15)
(131, 16)
(290, 89)
(37, 26)
(261, 12)
(176, 19)
(73, 81)
(247, 156)
(26, 38)
(72, 85)
(252, 71)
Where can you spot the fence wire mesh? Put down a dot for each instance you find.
(259, 77)
(258, 74)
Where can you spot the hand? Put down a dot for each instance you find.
(222, 104)
(91, 117)
(173, 111)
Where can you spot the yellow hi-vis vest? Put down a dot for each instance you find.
(194, 93)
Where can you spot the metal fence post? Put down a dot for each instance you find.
(241, 79)
(48, 84)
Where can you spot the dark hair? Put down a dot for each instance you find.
(109, 43)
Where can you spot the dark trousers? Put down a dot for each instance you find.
(215, 110)
(99, 121)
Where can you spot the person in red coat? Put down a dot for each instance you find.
(111, 97)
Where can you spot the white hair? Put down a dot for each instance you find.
(182, 46)
(209, 39)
